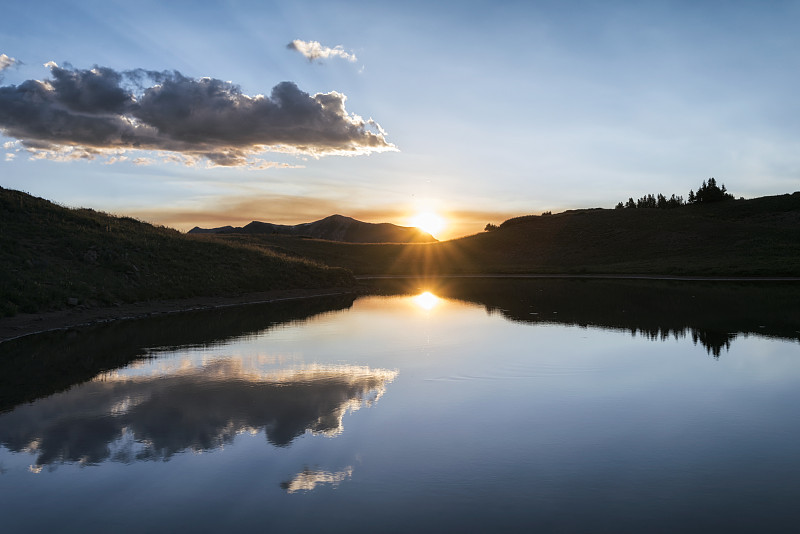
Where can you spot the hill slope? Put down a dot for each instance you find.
(757, 237)
(333, 228)
(51, 256)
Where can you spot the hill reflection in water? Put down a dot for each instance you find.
(713, 314)
(89, 413)
(509, 405)
(90, 408)
(40, 365)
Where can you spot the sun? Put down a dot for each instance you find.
(429, 221)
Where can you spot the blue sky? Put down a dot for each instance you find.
(489, 109)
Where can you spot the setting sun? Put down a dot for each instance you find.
(429, 222)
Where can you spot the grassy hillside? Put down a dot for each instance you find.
(51, 256)
(758, 237)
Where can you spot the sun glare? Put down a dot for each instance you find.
(429, 222)
(426, 301)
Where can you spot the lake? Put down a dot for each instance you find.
(429, 406)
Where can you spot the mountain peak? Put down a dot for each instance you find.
(335, 227)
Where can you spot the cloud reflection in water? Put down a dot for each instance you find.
(126, 419)
(308, 479)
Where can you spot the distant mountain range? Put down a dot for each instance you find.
(333, 228)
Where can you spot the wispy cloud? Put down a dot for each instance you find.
(314, 51)
(238, 210)
(85, 113)
(6, 61)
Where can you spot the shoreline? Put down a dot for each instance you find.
(35, 323)
(80, 316)
(685, 278)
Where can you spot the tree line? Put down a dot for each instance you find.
(708, 192)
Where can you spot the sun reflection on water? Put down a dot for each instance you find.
(427, 300)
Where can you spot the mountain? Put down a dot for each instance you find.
(333, 228)
(755, 237)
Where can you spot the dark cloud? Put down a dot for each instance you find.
(101, 109)
(153, 418)
(95, 91)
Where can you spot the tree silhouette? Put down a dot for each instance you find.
(710, 192)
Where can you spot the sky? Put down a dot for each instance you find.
(222, 112)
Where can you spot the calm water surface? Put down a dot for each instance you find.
(552, 406)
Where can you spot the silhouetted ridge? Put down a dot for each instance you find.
(198, 230)
(755, 237)
(332, 228)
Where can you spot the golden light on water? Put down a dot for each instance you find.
(426, 300)
(429, 221)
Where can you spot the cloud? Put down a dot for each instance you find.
(6, 62)
(238, 210)
(313, 50)
(85, 113)
(123, 418)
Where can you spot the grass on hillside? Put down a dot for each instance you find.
(51, 256)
